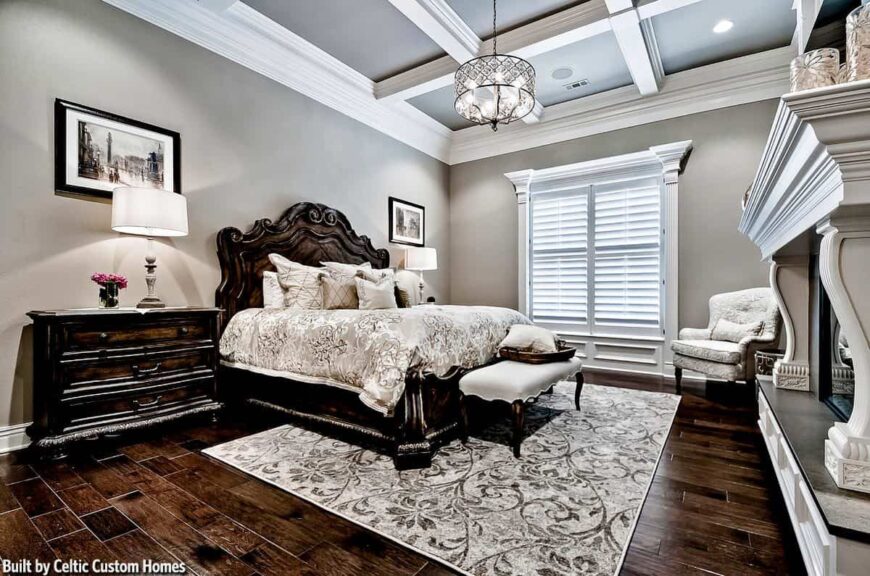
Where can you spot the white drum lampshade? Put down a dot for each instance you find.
(421, 259)
(149, 212)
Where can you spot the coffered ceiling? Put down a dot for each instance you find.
(601, 64)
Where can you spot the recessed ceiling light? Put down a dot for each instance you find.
(562, 73)
(723, 26)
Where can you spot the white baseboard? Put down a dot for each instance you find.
(13, 438)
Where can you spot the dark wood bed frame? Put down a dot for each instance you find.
(309, 233)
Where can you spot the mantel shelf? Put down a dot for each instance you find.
(815, 165)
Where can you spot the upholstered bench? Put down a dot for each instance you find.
(516, 383)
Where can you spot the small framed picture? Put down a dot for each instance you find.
(407, 223)
(97, 151)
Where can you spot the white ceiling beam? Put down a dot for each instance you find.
(629, 36)
(566, 27)
(652, 46)
(249, 38)
(807, 12)
(438, 21)
(216, 5)
(753, 78)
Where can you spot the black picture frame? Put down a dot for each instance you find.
(395, 236)
(62, 185)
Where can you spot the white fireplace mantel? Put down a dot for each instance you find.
(814, 177)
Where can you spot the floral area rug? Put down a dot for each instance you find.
(567, 506)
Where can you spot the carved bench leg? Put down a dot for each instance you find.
(463, 418)
(578, 389)
(678, 377)
(519, 411)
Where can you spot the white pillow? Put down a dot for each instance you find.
(273, 294)
(380, 296)
(728, 331)
(337, 269)
(302, 288)
(529, 339)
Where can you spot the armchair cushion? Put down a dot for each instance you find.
(712, 350)
(734, 332)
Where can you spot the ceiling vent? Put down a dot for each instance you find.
(577, 84)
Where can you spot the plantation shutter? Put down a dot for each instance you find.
(559, 256)
(627, 253)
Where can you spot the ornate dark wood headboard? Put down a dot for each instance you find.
(307, 233)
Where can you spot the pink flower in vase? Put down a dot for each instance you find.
(102, 279)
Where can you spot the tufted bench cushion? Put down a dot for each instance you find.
(510, 381)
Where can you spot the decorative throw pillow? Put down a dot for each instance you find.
(733, 332)
(273, 294)
(302, 288)
(376, 275)
(380, 296)
(530, 339)
(403, 299)
(339, 294)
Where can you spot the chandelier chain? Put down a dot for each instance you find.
(494, 31)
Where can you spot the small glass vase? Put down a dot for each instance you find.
(815, 69)
(109, 295)
(858, 43)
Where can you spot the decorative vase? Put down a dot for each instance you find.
(815, 69)
(109, 295)
(858, 42)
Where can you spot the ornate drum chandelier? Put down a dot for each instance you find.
(494, 89)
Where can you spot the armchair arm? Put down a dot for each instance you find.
(758, 342)
(695, 334)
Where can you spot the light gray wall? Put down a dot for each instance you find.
(714, 256)
(250, 149)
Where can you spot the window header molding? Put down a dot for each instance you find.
(667, 159)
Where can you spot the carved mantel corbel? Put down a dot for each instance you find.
(844, 270)
(790, 281)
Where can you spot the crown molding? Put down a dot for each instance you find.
(743, 80)
(247, 37)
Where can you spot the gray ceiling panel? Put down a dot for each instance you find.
(439, 105)
(370, 36)
(511, 13)
(686, 39)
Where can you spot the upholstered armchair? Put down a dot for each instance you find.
(740, 324)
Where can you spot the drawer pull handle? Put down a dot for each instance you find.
(143, 371)
(139, 404)
(103, 336)
(185, 331)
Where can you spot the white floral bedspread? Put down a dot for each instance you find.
(367, 349)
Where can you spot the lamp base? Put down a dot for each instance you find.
(151, 302)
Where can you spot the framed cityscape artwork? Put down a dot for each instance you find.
(96, 152)
(407, 223)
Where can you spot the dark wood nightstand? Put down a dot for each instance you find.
(100, 372)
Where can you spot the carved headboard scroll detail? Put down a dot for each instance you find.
(307, 232)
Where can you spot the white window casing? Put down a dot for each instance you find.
(598, 255)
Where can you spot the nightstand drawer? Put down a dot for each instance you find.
(95, 336)
(87, 374)
(136, 403)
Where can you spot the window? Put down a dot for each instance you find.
(596, 255)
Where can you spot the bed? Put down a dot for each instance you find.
(385, 378)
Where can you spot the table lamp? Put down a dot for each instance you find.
(421, 259)
(151, 213)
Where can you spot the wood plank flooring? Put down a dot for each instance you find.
(713, 507)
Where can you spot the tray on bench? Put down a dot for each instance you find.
(565, 352)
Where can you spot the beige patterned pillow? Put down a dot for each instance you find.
(380, 296)
(376, 275)
(273, 294)
(302, 288)
(339, 293)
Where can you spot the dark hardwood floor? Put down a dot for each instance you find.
(713, 507)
